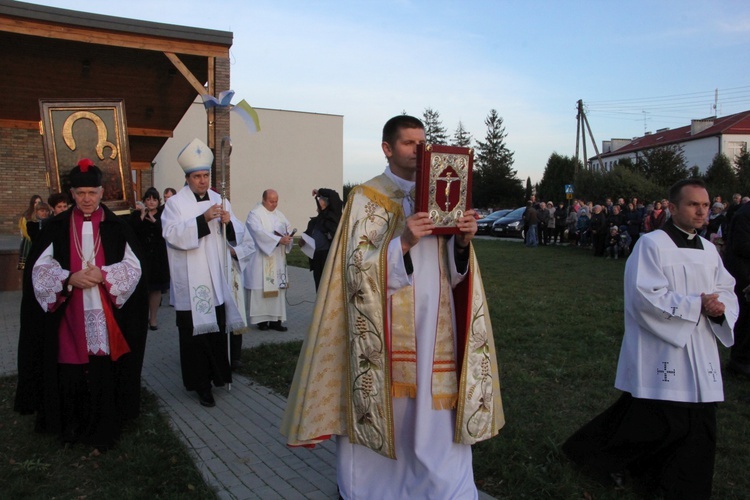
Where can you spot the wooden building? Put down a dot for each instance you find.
(50, 53)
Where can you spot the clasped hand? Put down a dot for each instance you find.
(88, 277)
(216, 212)
(710, 305)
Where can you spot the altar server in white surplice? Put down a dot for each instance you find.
(679, 299)
(193, 223)
(266, 276)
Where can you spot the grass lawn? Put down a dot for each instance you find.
(557, 314)
(148, 462)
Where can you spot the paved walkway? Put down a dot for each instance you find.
(237, 444)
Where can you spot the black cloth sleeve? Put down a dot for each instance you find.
(231, 236)
(203, 229)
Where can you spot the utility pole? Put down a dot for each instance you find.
(581, 133)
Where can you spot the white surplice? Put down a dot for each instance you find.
(428, 464)
(669, 351)
(180, 230)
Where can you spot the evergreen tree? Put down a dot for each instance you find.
(560, 170)
(495, 181)
(528, 192)
(664, 165)
(720, 177)
(742, 169)
(462, 138)
(434, 131)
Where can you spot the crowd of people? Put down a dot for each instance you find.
(611, 229)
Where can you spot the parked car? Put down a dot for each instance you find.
(511, 225)
(484, 225)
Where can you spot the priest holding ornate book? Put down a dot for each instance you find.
(399, 362)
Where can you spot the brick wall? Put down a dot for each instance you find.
(22, 174)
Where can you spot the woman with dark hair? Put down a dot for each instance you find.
(28, 215)
(322, 228)
(146, 220)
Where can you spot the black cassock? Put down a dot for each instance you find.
(86, 403)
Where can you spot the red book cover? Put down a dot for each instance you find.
(443, 190)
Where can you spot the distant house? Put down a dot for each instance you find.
(700, 142)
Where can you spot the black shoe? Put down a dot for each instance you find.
(206, 398)
(276, 325)
(263, 326)
(737, 368)
(236, 364)
(153, 328)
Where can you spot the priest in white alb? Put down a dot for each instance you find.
(266, 274)
(399, 362)
(679, 300)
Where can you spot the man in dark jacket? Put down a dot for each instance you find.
(737, 262)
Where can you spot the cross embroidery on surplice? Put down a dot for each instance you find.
(665, 372)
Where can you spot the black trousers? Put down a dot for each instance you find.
(204, 359)
(740, 351)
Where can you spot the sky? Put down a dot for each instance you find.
(637, 66)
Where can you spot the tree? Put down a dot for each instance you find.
(720, 177)
(664, 165)
(620, 182)
(462, 138)
(742, 169)
(348, 189)
(528, 192)
(560, 170)
(495, 182)
(434, 131)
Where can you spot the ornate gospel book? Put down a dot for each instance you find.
(443, 189)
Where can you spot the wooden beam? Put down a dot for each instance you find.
(198, 86)
(149, 132)
(21, 124)
(117, 39)
(140, 165)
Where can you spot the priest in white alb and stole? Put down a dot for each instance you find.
(200, 231)
(266, 276)
(679, 300)
(399, 362)
(83, 320)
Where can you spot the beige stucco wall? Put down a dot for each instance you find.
(293, 153)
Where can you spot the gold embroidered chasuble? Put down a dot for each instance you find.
(359, 352)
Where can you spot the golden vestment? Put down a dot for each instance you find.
(356, 357)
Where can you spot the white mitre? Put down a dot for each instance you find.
(195, 156)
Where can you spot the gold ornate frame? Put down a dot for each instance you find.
(88, 128)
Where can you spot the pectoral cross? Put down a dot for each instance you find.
(448, 181)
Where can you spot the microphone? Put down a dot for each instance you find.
(293, 232)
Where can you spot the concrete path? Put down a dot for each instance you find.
(236, 445)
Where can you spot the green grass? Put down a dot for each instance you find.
(296, 257)
(557, 315)
(148, 462)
